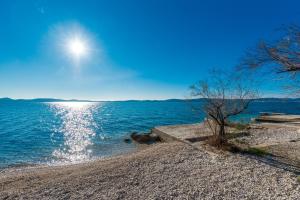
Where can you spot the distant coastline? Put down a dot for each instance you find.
(7, 99)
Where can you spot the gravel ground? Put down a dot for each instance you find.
(272, 135)
(289, 151)
(162, 171)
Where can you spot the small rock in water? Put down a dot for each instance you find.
(127, 140)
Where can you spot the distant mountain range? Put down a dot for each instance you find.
(170, 100)
(43, 100)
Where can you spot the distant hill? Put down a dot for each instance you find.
(278, 100)
(42, 100)
(6, 99)
(256, 100)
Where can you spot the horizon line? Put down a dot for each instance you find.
(87, 100)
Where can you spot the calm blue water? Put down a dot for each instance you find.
(70, 132)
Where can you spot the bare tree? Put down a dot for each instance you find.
(280, 56)
(225, 96)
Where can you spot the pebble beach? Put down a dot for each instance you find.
(162, 171)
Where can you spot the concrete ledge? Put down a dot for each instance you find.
(282, 118)
(190, 134)
(163, 136)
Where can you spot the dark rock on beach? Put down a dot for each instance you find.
(144, 138)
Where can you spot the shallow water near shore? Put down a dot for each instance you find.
(73, 132)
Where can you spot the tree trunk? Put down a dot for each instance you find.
(221, 136)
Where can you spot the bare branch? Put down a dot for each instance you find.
(225, 96)
(279, 57)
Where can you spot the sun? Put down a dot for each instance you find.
(77, 47)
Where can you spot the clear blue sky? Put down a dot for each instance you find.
(136, 49)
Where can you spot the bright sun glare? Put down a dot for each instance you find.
(77, 47)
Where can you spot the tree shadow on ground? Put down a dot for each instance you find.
(276, 162)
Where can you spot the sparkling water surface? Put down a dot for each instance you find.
(72, 132)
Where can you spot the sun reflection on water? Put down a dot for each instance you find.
(78, 129)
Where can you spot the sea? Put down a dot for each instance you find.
(68, 132)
